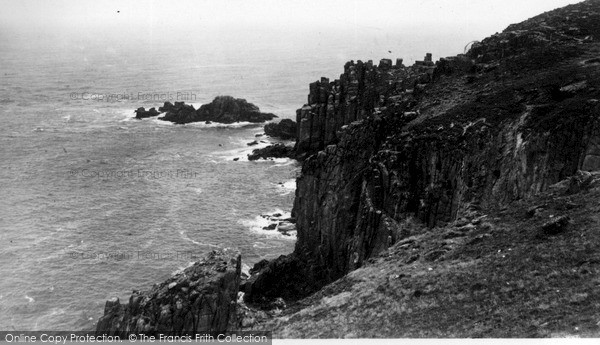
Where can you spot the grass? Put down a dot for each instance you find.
(501, 278)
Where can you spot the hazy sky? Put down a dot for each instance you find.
(137, 17)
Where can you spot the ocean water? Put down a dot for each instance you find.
(94, 203)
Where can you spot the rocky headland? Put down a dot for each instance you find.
(449, 198)
(200, 299)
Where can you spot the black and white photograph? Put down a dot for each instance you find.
(291, 171)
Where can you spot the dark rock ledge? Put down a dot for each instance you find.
(200, 299)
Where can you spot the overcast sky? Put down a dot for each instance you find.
(185, 15)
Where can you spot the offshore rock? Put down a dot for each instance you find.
(223, 109)
(179, 112)
(285, 129)
(278, 150)
(202, 298)
(141, 113)
(226, 109)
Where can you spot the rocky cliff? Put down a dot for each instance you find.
(201, 299)
(449, 198)
(389, 145)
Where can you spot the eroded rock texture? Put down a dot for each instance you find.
(202, 298)
(390, 144)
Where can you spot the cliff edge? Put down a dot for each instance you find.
(449, 198)
(390, 145)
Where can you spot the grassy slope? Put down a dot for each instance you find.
(492, 274)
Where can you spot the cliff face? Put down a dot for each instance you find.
(200, 299)
(390, 145)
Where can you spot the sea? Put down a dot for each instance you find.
(95, 203)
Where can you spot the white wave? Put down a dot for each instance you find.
(186, 238)
(262, 245)
(282, 162)
(260, 222)
(180, 269)
(161, 122)
(240, 152)
(287, 187)
(202, 124)
(126, 115)
(245, 269)
(29, 299)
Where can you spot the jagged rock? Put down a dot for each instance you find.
(167, 106)
(202, 298)
(223, 109)
(178, 113)
(284, 277)
(141, 113)
(382, 145)
(252, 143)
(285, 129)
(333, 105)
(278, 150)
(270, 227)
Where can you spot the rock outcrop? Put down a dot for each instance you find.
(179, 112)
(431, 142)
(278, 150)
(223, 109)
(284, 129)
(438, 186)
(200, 299)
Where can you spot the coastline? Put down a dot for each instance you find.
(405, 165)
